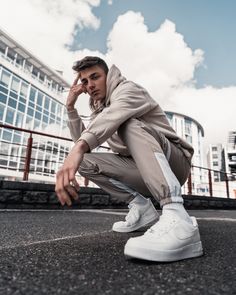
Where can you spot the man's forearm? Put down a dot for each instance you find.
(81, 146)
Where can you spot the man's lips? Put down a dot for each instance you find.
(95, 92)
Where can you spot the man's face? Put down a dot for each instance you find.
(94, 80)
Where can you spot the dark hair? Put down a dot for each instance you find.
(90, 61)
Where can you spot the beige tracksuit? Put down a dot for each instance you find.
(149, 157)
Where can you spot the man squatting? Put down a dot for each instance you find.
(148, 158)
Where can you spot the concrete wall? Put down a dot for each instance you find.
(27, 195)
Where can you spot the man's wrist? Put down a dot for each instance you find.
(82, 146)
(70, 108)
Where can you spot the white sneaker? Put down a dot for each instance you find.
(138, 217)
(170, 239)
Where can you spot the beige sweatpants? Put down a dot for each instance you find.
(156, 166)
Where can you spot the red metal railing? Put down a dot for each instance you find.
(219, 187)
(27, 158)
(199, 181)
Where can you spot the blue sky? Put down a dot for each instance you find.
(206, 24)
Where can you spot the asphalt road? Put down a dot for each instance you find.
(75, 252)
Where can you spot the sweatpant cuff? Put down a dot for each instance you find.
(171, 200)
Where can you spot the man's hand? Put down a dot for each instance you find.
(75, 91)
(66, 183)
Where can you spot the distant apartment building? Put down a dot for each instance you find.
(230, 154)
(222, 160)
(31, 97)
(191, 130)
(216, 161)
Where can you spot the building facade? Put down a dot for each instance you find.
(222, 160)
(31, 97)
(216, 161)
(189, 129)
(230, 154)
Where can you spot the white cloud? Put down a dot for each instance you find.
(161, 60)
(44, 27)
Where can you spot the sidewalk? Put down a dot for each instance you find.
(75, 252)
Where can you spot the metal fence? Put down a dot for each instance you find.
(42, 154)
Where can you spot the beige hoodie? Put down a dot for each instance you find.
(124, 100)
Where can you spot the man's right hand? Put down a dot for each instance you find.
(75, 91)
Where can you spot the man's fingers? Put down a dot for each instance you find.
(71, 191)
(70, 184)
(76, 80)
(62, 194)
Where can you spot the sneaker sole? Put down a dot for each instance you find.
(189, 251)
(137, 226)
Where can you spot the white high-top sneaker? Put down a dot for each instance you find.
(170, 239)
(138, 217)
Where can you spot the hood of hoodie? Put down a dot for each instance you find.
(114, 78)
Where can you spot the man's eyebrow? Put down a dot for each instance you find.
(90, 76)
(93, 74)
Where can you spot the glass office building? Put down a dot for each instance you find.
(31, 97)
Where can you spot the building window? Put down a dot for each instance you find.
(7, 135)
(21, 107)
(214, 149)
(19, 120)
(215, 156)
(215, 163)
(24, 89)
(15, 84)
(40, 100)
(28, 67)
(2, 109)
(188, 126)
(3, 48)
(3, 98)
(188, 138)
(32, 94)
(10, 116)
(12, 102)
(5, 78)
(53, 107)
(47, 103)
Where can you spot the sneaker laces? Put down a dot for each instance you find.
(164, 224)
(133, 214)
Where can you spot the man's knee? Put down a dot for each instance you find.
(138, 128)
(127, 127)
(88, 166)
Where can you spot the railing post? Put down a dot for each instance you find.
(210, 182)
(190, 183)
(28, 158)
(227, 184)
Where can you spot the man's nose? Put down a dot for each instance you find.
(91, 84)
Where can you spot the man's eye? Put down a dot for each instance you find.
(95, 77)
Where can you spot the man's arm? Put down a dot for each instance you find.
(129, 103)
(66, 183)
(74, 122)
